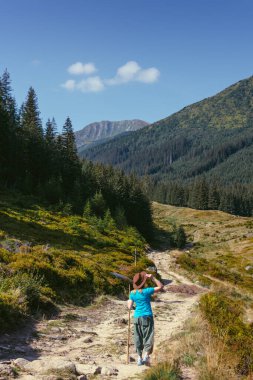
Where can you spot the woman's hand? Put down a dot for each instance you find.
(159, 286)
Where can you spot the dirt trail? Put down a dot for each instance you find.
(91, 340)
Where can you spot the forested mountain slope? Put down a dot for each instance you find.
(213, 138)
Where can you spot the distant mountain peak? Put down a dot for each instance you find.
(106, 129)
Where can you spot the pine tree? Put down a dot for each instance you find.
(30, 117)
(198, 197)
(9, 147)
(34, 148)
(109, 222)
(213, 197)
(50, 132)
(98, 205)
(69, 143)
(70, 165)
(87, 212)
(52, 161)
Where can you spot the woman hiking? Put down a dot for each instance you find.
(143, 316)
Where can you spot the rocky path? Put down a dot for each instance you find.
(91, 342)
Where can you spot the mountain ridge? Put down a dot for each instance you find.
(106, 129)
(217, 126)
(208, 142)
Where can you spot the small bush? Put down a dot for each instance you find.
(164, 371)
(12, 310)
(225, 316)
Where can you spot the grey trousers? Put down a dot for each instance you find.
(144, 334)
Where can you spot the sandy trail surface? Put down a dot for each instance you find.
(91, 342)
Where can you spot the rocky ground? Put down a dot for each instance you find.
(91, 343)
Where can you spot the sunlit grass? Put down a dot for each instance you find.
(47, 256)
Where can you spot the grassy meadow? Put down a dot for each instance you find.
(217, 342)
(49, 257)
(220, 245)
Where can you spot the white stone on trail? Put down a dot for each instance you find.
(20, 362)
(55, 329)
(50, 364)
(109, 371)
(82, 369)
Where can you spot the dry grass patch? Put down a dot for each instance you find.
(221, 245)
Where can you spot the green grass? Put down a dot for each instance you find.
(221, 243)
(225, 316)
(164, 371)
(48, 257)
(220, 346)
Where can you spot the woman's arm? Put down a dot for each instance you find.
(159, 285)
(130, 304)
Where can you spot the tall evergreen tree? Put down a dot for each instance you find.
(198, 197)
(69, 143)
(8, 130)
(71, 168)
(30, 117)
(50, 132)
(34, 148)
(213, 197)
(51, 150)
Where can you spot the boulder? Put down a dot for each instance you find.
(21, 362)
(51, 364)
(82, 369)
(109, 371)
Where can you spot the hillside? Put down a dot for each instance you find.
(220, 244)
(100, 131)
(217, 340)
(193, 141)
(209, 141)
(203, 318)
(51, 256)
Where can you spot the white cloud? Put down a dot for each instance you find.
(69, 85)
(150, 75)
(129, 72)
(132, 71)
(91, 84)
(82, 68)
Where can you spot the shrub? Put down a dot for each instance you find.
(164, 371)
(180, 237)
(225, 316)
(12, 310)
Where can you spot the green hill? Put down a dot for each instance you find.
(212, 138)
(49, 257)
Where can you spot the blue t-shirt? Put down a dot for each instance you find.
(142, 300)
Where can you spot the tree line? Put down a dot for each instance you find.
(202, 195)
(177, 161)
(207, 142)
(36, 160)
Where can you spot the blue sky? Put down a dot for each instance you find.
(98, 60)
